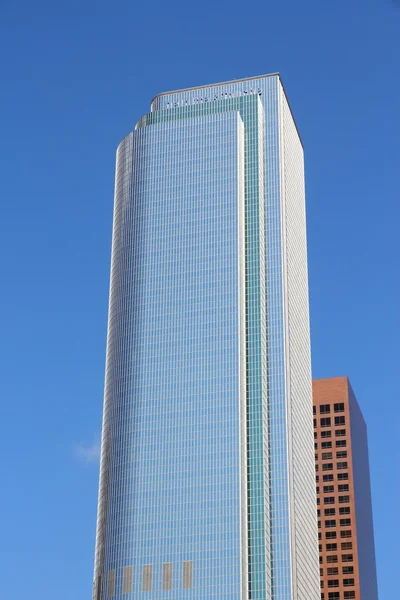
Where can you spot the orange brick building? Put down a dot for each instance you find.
(346, 539)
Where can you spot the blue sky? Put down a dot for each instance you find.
(75, 77)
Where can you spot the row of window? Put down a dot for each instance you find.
(347, 570)
(329, 523)
(332, 500)
(332, 547)
(329, 466)
(331, 535)
(328, 434)
(329, 512)
(330, 489)
(147, 579)
(325, 409)
(332, 583)
(326, 445)
(329, 477)
(329, 455)
(347, 595)
(326, 421)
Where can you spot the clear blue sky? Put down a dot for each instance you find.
(75, 76)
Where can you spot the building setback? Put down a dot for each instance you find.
(346, 537)
(207, 483)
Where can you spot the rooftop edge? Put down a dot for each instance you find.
(209, 85)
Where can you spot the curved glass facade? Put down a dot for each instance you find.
(207, 468)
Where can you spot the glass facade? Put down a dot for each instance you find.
(207, 468)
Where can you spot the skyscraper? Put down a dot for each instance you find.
(207, 483)
(347, 553)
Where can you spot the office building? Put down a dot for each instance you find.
(346, 537)
(207, 483)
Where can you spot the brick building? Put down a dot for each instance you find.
(346, 538)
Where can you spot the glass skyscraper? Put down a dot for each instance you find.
(207, 482)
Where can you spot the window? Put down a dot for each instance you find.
(318, 501)
(315, 422)
(320, 547)
(319, 524)
(333, 583)
(348, 594)
(332, 571)
(340, 432)
(321, 584)
(325, 422)
(320, 560)
(321, 572)
(127, 580)
(342, 476)
(317, 478)
(341, 443)
(326, 455)
(333, 596)
(325, 409)
(316, 456)
(344, 510)
(327, 467)
(319, 535)
(325, 445)
(341, 454)
(342, 465)
(111, 584)
(344, 499)
(329, 500)
(314, 410)
(348, 570)
(187, 574)
(316, 468)
(348, 582)
(345, 534)
(317, 489)
(315, 435)
(330, 535)
(327, 478)
(345, 522)
(338, 407)
(332, 559)
(328, 512)
(347, 557)
(331, 547)
(344, 487)
(318, 513)
(167, 576)
(147, 577)
(330, 523)
(326, 434)
(316, 446)
(347, 546)
(329, 489)
(340, 420)
(322, 596)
